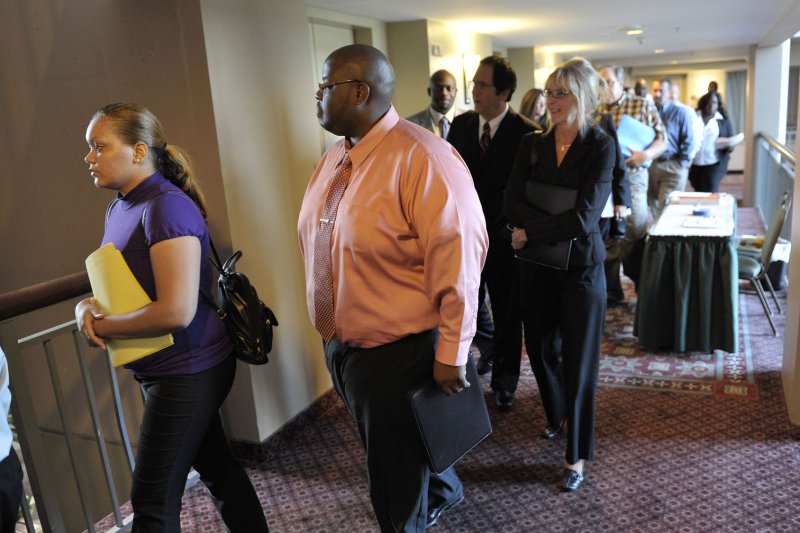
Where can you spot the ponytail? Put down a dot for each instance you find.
(174, 164)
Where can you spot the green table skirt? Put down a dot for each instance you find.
(688, 295)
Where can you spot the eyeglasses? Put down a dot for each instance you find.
(558, 93)
(324, 86)
(478, 84)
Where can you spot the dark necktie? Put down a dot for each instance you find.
(444, 127)
(486, 138)
(323, 273)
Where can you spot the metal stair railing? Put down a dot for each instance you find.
(54, 505)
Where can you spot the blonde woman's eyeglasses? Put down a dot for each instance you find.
(558, 93)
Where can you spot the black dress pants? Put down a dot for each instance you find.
(500, 275)
(563, 314)
(374, 384)
(706, 178)
(182, 428)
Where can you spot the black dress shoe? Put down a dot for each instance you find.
(434, 514)
(549, 433)
(571, 480)
(504, 400)
(484, 365)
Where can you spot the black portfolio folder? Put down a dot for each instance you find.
(553, 200)
(451, 425)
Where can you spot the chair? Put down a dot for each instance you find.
(754, 267)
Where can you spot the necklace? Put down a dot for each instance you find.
(564, 147)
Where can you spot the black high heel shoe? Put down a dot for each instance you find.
(571, 481)
(548, 433)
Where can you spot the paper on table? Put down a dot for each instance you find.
(117, 292)
(700, 222)
(729, 142)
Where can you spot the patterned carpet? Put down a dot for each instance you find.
(700, 462)
(625, 364)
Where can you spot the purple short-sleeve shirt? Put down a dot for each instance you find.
(154, 211)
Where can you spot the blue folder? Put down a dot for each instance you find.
(634, 134)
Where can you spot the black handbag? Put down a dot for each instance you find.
(248, 320)
(550, 199)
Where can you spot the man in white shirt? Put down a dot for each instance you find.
(10, 468)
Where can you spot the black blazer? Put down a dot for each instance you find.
(587, 167)
(490, 173)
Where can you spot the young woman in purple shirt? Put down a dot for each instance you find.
(158, 223)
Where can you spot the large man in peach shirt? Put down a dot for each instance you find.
(407, 244)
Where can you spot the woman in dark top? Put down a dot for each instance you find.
(157, 221)
(710, 163)
(564, 310)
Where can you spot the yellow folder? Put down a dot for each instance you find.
(117, 292)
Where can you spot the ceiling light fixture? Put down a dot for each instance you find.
(632, 29)
(658, 51)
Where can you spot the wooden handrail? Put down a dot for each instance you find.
(44, 294)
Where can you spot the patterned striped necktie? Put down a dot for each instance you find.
(486, 138)
(323, 274)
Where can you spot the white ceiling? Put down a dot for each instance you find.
(688, 31)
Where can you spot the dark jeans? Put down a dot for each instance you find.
(182, 428)
(374, 384)
(10, 491)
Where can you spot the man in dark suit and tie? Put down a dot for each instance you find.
(437, 118)
(488, 140)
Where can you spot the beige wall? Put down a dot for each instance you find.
(409, 54)
(368, 31)
(522, 59)
(259, 60)
(60, 63)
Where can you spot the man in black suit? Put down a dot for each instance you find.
(437, 118)
(488, 139)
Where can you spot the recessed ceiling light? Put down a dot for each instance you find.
(632, 29)
(658, 51)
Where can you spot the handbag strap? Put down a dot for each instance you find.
(218, 265)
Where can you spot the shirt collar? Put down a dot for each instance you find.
(619, 101)
(494, 123)
(438, 116)
(373, 138)
(140, 190)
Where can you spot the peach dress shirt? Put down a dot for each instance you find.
(408, 243)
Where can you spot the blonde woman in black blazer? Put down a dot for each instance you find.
(563, 310)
